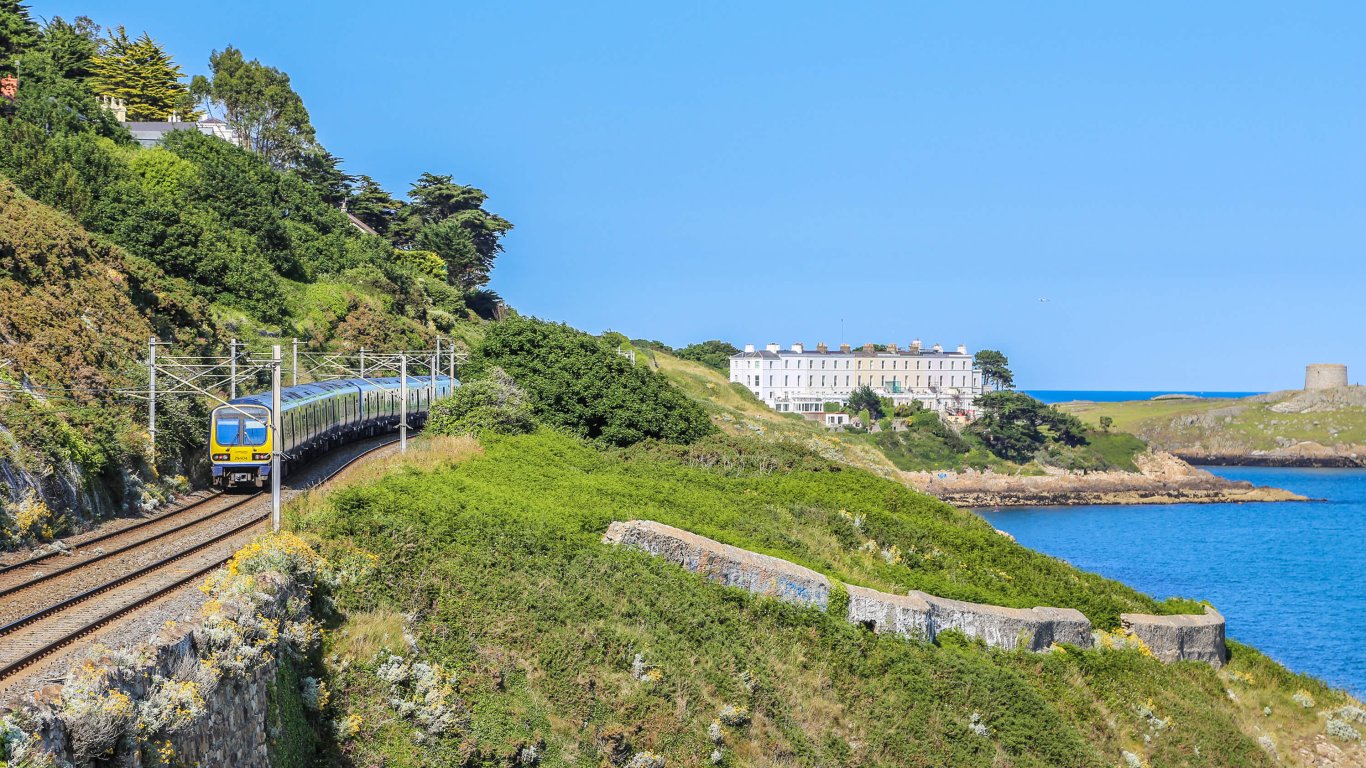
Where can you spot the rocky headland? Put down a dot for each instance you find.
(1162, 479)
(1293, 428)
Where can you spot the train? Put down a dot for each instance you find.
(314, 419)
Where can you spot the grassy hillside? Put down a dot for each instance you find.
(481, 622)
(926, 445)
(75, 316)
(1273, 423)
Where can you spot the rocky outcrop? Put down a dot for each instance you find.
(1162, 479)
(1182, 637)
(199, 693)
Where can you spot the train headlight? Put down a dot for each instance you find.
(260, 457)
(220, 457)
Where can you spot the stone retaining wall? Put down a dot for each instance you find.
(917, 614)
(1181, 637)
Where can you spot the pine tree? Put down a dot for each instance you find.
(17, 33)
(144, 76)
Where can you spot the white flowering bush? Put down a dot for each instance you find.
(1303, 698)
(733, 715)
(1131, 760)
(1350, 714)
(1341, 730)
(976, 725)
(421, 693)
(646, 759)
(1268, 746)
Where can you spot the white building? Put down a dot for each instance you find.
(799, 380)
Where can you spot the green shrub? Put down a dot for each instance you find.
(491, 403)
(579, 383)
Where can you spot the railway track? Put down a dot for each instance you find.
(38, 634)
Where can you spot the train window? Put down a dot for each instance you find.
(255, 432)
(227, 429)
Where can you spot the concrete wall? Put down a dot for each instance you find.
(917, 614)
(913, 615)
(732, 566)
(1181, 638)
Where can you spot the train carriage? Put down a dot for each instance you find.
(314, 418)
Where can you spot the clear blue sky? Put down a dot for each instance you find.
(1185, 182)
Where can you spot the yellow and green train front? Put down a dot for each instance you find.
(240, 445)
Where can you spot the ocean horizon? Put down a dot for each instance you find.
(1122, 395)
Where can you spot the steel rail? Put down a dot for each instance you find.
(111, 534)
(131, 545)
(9, 670)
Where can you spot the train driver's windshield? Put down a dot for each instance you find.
(233, 428)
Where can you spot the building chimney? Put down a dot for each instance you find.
(938, 347)
(844, 348)
(892, 348)
(820, 347)
(797, 347)
(962, 349)
(773, 347)
(915, 346)
(868, 348)
(749, 347)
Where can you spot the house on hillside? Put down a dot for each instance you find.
(803, 381)
(151, 133)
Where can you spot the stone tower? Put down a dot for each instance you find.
(1325, 376)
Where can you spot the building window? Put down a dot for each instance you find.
(784, 381)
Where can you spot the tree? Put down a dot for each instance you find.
(18, 33)
(259, 106)
(143, 75)
(1106, 422)
(71, 47)
(1015, 426)
(449, 218)
(713, 353)
(865, 399)
(368, 202)
(995, 368)
(322, 171)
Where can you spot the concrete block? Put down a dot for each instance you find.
(1182, 637)
(732, 566)
(999, 627)
(906, 615)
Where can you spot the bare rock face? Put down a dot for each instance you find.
(1181, 637)
(732, 566)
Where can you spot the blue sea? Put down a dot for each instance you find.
(1118, 395)
(1290, 577)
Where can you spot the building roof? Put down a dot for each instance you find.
(358, 224)
(923, 352)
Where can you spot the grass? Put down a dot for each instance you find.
(1227, 425)
(492, 560)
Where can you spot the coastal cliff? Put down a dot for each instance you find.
(1295, 428)
(1162, 479)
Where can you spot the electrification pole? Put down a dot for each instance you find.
(452, 369)
(152, 396)
(436, 363)
(403, 403)
(294, 366)
(277, 440)
(232, 369)
(362, 362)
